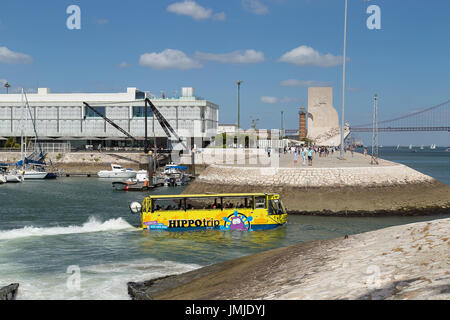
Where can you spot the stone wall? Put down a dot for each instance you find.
(313, 177)
(85, 162)
(348, 191)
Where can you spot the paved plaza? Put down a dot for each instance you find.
(286, 160)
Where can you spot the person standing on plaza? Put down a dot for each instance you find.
(295, 157)
(304, 152)
(310, 156)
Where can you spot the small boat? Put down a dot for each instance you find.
(139, 183)
(2, 179)
(433, 146)
(141, 176)
(173, 175)
(117, 171)
(11, 175)
(410, 147)
(14, 177)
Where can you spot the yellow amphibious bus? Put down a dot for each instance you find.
(228, 211)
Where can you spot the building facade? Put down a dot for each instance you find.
(227, 128)
(62, 117)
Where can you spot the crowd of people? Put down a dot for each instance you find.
(307, 153)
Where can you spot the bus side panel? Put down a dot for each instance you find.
(227, 219)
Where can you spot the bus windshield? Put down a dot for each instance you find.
(276, 207)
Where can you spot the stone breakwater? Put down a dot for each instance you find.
(358, 191)
(402, 262)
(313, 177)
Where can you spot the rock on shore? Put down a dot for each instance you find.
(9, 292)
(401, 262)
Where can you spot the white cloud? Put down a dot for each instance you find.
(124, 64)
(307, 56)
(8, 56)
(268, 99)
(289, 100)
(168, 59)
(304, 83)
(102, 21)
(192, 9)
(221, 16)
(275, 100)
(235, 57)
(255, 7)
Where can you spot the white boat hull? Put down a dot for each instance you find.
(2, 179)
(34, 175)
(116, 174)
(14, 178)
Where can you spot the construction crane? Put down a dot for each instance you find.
(109, 121)
(162, 121)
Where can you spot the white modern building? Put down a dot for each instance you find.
(62, 117)
(227, 128)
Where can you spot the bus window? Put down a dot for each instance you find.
(167, 205)
(203, 203)
(260, 202)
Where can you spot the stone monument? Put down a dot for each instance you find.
(323, 120)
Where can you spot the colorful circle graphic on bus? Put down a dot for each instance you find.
(236, 221)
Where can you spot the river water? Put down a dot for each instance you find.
(74, 238)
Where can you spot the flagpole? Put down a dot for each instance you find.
(343, 85)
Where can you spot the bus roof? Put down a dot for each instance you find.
(211, 195)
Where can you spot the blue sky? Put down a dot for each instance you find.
(277, 47)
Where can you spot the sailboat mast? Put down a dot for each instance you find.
(21, 133)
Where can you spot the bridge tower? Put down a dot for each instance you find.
(374, 159)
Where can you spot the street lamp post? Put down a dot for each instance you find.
(239, 103)
(282, 127)
(343, 85)
(7, 85)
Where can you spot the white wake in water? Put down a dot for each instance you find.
(92, 225)
(97, 282)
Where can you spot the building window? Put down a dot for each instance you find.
(89, 113)
(139, 112)
(140, 95)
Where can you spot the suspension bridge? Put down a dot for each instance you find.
(434, 118)
(430, 119)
